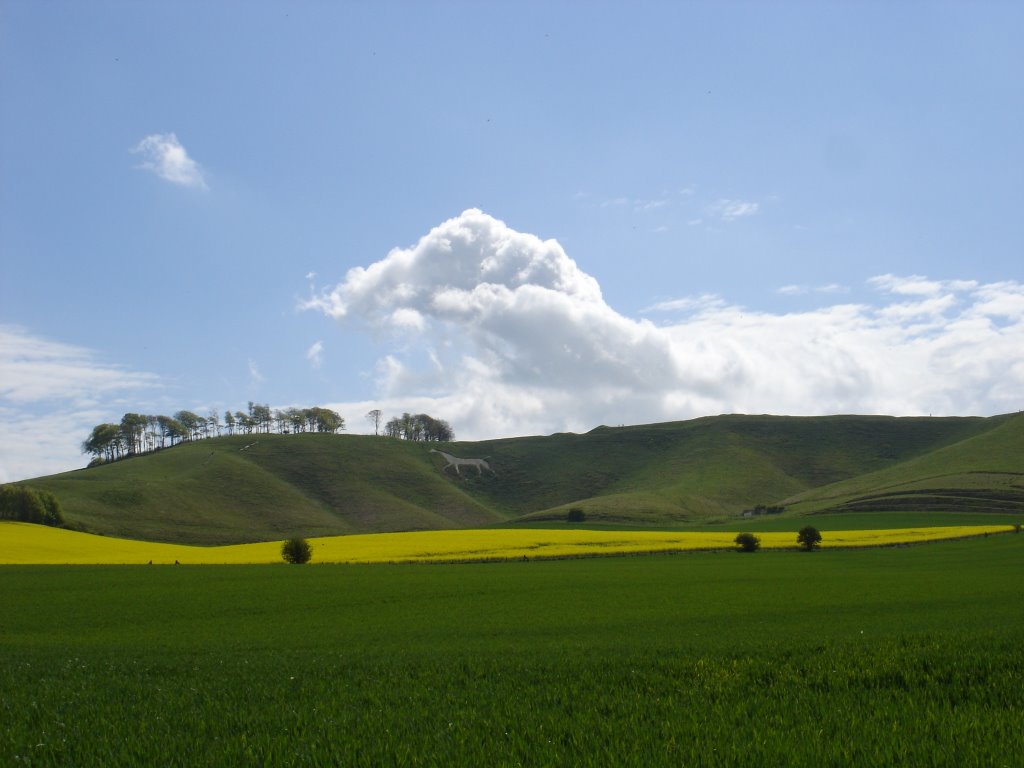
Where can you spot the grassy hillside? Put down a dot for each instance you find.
(253, 488)
(983, 473)
(219, 491)
(705, 468)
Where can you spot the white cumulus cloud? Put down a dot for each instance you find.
(512, 337)
(164, 155)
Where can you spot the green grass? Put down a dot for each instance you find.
(665, 475)
(882, 657)
(861, 521)
(838, 521)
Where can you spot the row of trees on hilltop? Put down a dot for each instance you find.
(142, 433)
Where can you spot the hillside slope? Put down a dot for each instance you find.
(220, 491)
(709, 467)
(266, 487)
(983, 473)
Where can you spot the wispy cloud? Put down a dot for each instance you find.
(34, 369)
(164, 155)
(51, 395)
(516, 339)
(800, 290)
(315, 354)
(916, 285)
(687, 304)
(730, 210)
(638, 205)
(254, 372)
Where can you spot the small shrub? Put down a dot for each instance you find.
(296, 551)
(747, 542)
(576, 515)
(808, 538)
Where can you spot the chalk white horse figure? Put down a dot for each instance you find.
(455, 461)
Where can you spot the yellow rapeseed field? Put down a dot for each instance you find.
(23, 543)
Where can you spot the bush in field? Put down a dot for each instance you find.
(747, 542)
(576, 515)
(808, 538)
(296, 551)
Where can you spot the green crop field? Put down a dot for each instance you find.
(880, 657)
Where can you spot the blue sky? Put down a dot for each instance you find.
(756, 207)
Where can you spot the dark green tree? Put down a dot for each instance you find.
(808, 538)
(324, 420)
(104, 443)
(296, 551)
(192, 422)
(747, 542)
(243, 423)
(261, 416)
(133, 428)
(171, 429)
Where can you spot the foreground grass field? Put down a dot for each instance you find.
(25, 544)
(845, 657)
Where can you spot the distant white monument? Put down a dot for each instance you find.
(455, 461)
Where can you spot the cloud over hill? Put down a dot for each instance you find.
(502, 333)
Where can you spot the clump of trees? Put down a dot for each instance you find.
(763, 509)
(141, 433)
(417, 427)
(30, 505)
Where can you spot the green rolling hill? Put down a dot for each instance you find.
(265, 487)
